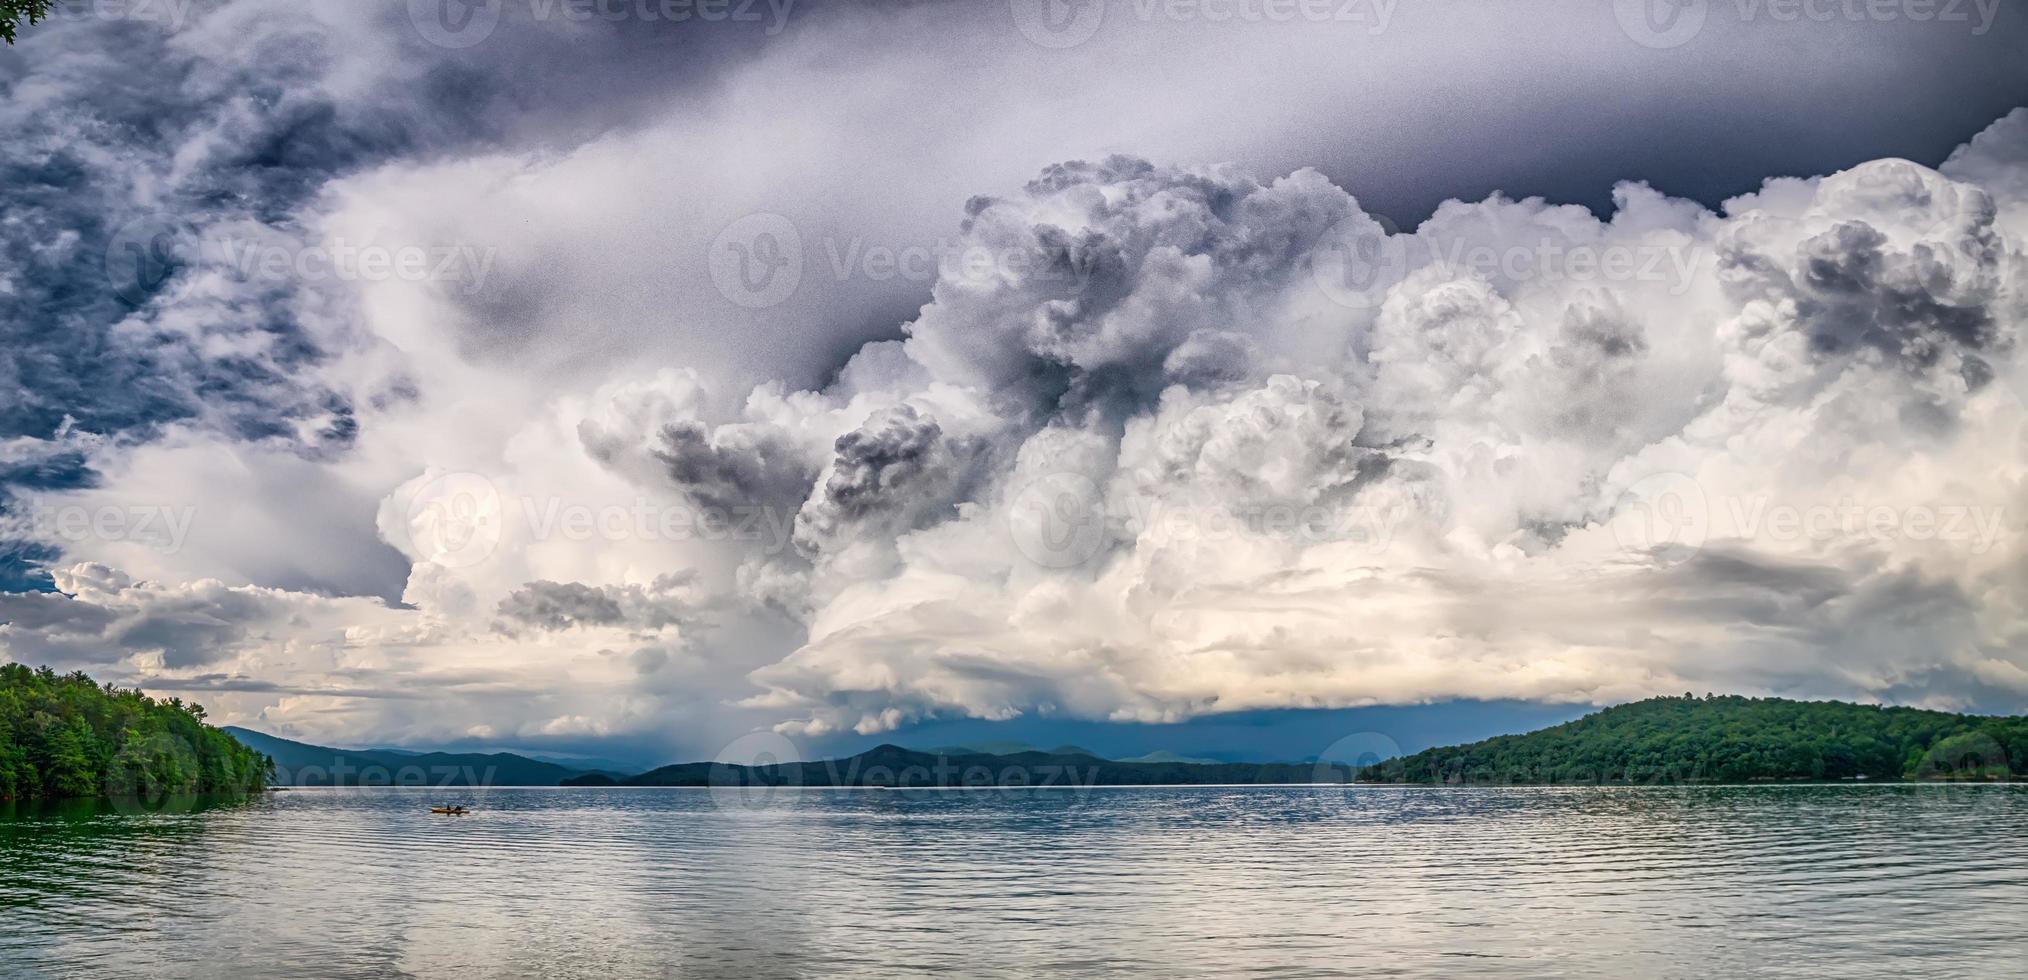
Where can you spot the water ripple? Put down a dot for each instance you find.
(1919, 881)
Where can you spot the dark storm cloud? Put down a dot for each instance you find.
(560, 605)
(555, 606)
(1852, 287)
(734, 467)
(132, 145)
(185, 628)
(1166, 341)
(885, 457)
(896, 473)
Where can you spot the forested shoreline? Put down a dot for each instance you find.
(1732, 740)
(65, 735)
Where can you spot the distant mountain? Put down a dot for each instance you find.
(894, 766)
(585, 763)
(1164, 755)
(301, 764)
(1730, 740)
(1006, 748)
(580, 763)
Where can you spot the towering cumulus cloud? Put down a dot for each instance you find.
(1252, 450)
(666, 444)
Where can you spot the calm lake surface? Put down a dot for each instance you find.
(1908, 881)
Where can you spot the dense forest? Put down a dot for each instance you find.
(1729, 740)
(66, 736)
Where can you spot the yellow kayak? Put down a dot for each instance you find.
(456, 811)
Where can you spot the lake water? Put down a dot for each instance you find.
(1907, 881)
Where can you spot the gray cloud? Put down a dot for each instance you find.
(1163, 454)
(554, 606)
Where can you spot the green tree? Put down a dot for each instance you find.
(68, 736)
(14, 12)
(1732, 739)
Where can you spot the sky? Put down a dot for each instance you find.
(630, 377)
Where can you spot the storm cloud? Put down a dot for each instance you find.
(1075, 394)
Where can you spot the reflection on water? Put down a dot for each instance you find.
(613, 883)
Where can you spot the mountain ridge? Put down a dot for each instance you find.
(304, 764)
(896, 767)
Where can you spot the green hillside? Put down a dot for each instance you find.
(1731, 739)
(66, 736)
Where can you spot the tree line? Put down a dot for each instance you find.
(67, 736)
(1729, 740)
